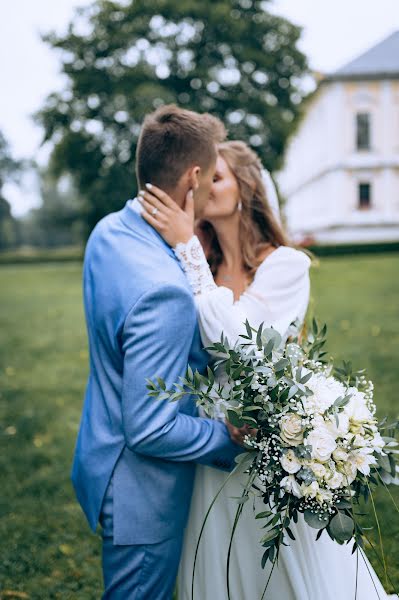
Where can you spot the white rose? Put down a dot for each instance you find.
(340, 455)
(291, 429)
(325, 392)
(336, 480)
(290, 485)
(322, 442)
(290, 462)
(357, 409)
(318, 469)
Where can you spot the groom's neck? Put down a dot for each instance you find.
(178, 194)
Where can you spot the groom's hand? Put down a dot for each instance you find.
(238, 434)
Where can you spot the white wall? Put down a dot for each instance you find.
(323, 167)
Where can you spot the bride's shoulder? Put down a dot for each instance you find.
(284, 254)
(283, 261)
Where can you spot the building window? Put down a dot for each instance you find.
(364, 195)
(363, 131)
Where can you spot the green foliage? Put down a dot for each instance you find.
(9, 167)
(9, 170)
(30, 255)
(341, 527)
(59, 221)
(122, 60)
(353, 249)
(313, 520)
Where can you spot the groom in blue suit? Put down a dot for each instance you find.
(135, 456)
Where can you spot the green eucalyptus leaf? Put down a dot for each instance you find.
(313, 520)
(259, 336)
(341, 527)
(281, 364)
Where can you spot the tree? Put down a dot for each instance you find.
(123, 59)
(9, 169)
(59, 221)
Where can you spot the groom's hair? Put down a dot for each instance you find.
(172, 140)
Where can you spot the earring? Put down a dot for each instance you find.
(239, 206)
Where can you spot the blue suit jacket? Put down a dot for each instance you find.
(142, 323)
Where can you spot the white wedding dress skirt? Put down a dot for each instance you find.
(306, 570)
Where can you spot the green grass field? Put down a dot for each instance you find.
(46, 549)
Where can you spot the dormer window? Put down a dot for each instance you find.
(363, 131)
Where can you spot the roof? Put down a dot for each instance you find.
(379, 62)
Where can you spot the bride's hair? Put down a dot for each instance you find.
(259, 227)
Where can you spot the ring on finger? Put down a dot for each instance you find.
(154, 212)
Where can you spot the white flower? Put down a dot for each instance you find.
(290, 485)
(324, 495)
(290, 462)
(291, 429)
(310, 490)
(343, 425)
(322, 442)
(357, 409)
(349, 470)
(362, 459)
(340, 455)
(336, 480)
(318, 469)
(325, 391)
(377, 442)
(359, 441)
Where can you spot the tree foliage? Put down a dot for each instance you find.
(59, 221)
(123, 59)
(9, 170)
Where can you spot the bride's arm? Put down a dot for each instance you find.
(278, 296)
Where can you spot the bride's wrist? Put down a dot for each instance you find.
(185, 239)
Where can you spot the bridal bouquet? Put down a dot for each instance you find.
(318, 448)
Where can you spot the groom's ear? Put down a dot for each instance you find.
(194, 177)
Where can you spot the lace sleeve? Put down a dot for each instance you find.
(193, 260)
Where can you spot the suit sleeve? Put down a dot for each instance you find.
(156, 341)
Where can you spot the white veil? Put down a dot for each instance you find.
(271, 194)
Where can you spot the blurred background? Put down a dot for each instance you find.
(312, 86)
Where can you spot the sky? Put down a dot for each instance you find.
(334, 32)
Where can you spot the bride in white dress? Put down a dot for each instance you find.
(257, 276)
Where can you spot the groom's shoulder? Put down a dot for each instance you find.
(130, 255)
(104, 227)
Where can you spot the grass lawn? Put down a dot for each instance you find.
(46, 549)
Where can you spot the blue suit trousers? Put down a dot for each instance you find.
(139, 571)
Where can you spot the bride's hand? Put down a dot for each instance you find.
(174, 224)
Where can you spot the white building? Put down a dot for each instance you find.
(341, 173)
